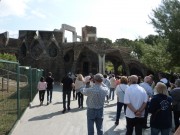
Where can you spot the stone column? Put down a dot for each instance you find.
(74, 36)
(101, 63)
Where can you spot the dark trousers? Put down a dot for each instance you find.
(176, 118)
(41, 95)
(49, 95)
(74, 94)
(145, 115)
(80, 99)
(119, 108)
(68, 94)
(134, 122)
(111, 91)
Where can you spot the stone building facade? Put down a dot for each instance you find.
(47, 50)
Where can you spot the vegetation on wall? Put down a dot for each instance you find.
(9, 57)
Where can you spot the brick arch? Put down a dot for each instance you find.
(87, 62)
(116, 61)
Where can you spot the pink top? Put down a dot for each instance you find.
(42, 86)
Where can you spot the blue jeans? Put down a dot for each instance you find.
(156, 131)
(49, 95)
(95, 116)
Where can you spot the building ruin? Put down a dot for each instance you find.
(48, 50)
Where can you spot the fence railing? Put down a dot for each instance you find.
(18, 87)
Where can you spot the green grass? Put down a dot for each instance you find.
(8, 106)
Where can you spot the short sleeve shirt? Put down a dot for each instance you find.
(136, 95)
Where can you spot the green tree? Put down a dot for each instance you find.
(104, 40)
(155, 57)
(123, 42)
(166, 20)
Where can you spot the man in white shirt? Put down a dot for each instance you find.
(136, 100)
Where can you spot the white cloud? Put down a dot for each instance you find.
(38, 14)
(15, 7)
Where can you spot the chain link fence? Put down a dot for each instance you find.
(18, 87)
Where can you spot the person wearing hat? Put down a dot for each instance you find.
(95, 104)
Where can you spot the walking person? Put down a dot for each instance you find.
(50, 83)
(120, 91)
(68, 85)
(106, 81)
(79, 83)
(42, 85)
(95, 104)
(136, 99)
(112, 86)
(160, 108)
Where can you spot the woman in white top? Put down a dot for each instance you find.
(42, 85)
(79, 83)
(120, 91)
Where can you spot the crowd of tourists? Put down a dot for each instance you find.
(137, 97)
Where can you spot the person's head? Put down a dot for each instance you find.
(80, 77)
(49, 74)
(133, 79)
(118, 77)
(42, 79)
(87, 79)
(161, 75)
(161, 88)
(105, 76)
(177, 83)
(152, 78)
(147, 79)
(124, 80)
(68, 74)
(98, 78)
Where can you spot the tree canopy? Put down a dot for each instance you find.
(166, 20)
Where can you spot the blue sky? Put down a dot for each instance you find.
(113, 19)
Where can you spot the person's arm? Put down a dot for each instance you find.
(84, 90)
(141, 109)
(131, 108)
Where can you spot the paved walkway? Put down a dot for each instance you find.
(49, 120)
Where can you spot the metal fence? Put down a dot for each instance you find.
(18, 87)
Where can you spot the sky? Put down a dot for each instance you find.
(113, 19)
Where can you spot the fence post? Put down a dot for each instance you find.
(18, 92)
(30, 74)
